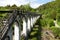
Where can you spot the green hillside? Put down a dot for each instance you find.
(50, 16)
(50, 13)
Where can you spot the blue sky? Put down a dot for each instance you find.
(33, 3)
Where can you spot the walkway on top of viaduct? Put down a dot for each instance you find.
(28, 18)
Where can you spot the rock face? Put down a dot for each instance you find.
(47, 35)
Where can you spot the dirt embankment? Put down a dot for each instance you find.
(48, 35)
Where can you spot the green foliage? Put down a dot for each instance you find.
(58, 17)
(3, 8)
(50, 22)
(56, 31)
(34, 38)
(43, 22)
(51, 12)
(58, 22)
(27, 8)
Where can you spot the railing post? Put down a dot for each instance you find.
(24, 32)
(19, 24)
(16, 31)
(29, 28)
(31, 22)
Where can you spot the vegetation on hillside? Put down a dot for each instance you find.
(50, 13)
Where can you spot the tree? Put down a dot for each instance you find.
(14, 7)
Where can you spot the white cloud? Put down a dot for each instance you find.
(33, 3)
(11, 2)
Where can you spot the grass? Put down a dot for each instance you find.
(33, 33)
(58, 23)
(35, 28)
(34, 38)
